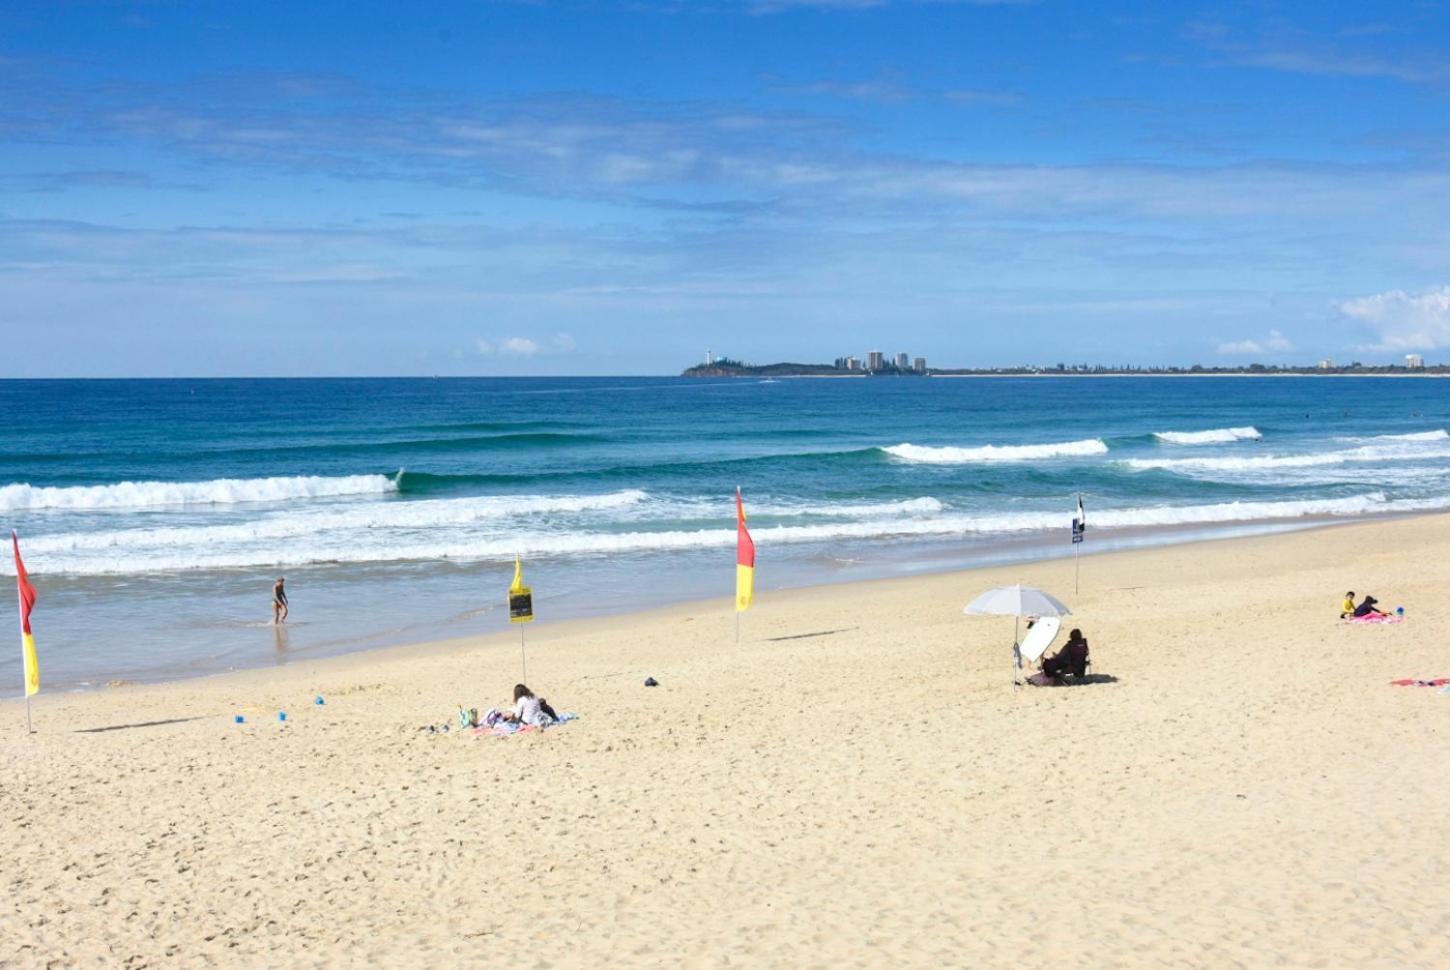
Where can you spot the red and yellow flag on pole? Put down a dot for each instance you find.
(27, 603)
(744, 559)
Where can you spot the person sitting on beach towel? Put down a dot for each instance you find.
(1347, 607)
(1071, 659)
(530, 710)
(1368, 608)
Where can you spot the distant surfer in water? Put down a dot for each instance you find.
(279, 601)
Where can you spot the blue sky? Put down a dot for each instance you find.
(613, 187)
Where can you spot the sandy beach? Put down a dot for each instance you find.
(854, 784)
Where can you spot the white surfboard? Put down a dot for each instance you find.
(1039, 638)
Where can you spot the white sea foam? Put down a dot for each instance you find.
(128, 555)
(997, 453)
(221, 491)
(1217, 436)
(925, 505)
(1402, 451)
(1439, 434)
(377, 518)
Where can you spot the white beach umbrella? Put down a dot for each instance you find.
(1016, 601)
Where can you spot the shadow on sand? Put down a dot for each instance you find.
(140, 724)
(1089, 679)
(803, 636)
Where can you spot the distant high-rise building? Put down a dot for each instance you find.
(840, 363)
(709, 358)
(1326, 364)
(875, 360)
(919, 365)
(903, 361)
(852, 363)
(1414, 361)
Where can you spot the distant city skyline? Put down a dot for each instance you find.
(605, 187)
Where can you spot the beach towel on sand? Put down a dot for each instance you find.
(1411, 682)
(504, 728)
(1374, 618)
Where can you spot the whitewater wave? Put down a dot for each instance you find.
(1216, 436)
(925, 505)
(1440, 434)
(377, 518)
(996, 453)
(371, 547)
(21, 497)
(1259, 463)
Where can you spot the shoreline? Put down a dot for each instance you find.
(575, 625)
(1238, 776)
(928, 561)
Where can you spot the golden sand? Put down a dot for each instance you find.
(854, 784)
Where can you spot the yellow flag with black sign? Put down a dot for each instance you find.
(521, 597)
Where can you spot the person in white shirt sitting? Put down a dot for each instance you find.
(529, 710)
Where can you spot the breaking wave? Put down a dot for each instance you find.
(222, 491)
(1402, 451)
(997, 453)
(1440, 434)
(1216, 436)
(376, 518)
(134, 552)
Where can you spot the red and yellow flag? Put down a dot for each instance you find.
(744, 559)
(27, 603)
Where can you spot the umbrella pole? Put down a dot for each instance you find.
(1016, 652)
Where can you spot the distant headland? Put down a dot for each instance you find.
(876, 364)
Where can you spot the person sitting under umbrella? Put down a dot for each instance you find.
(1071, 659)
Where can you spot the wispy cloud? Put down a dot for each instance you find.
(1354, 51)
(971, 96)
(1274, 343)
(559, 343)
(84, 179)
(885, 91)
(1404, 321)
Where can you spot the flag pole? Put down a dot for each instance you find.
(737, 626)
(24, 682)
(523, 653)
(1079, 533)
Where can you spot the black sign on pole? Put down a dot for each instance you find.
(521, 604)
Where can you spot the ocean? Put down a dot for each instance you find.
(155, 515)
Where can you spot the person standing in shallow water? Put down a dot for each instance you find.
(279, 601)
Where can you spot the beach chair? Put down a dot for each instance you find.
(1062, 667)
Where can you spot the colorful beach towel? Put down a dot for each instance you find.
(1374, 618)
(1411, 682)
(505, 728)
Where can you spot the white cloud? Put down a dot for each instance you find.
(1405, 321)
(1275, 343)
(560, 343)
(522, 346)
